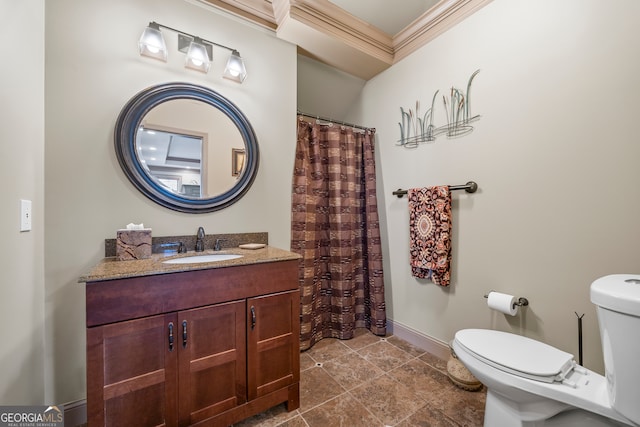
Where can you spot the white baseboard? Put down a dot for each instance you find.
(75, 413)
(418, 339)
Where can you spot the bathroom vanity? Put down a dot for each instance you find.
(205, 344)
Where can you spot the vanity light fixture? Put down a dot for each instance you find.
(199, 52)
(152, 43)
(235, 69)
(197, 57)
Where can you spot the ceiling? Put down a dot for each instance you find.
(389, 16)
(359, 37)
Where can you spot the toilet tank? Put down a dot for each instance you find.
(617, 298)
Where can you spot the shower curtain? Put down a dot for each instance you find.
(335, 228)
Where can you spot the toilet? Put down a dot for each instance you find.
(530, 383)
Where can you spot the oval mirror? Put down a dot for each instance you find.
(186, 147)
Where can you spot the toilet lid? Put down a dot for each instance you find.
(517, 354)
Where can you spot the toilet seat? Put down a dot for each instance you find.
(522, 383)
(519, 355)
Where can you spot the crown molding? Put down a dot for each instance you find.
(435, 21)
(326, 17)
(327, 33)
(257, 11)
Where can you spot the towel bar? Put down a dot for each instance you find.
(469, 187)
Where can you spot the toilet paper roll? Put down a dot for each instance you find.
(504, 303)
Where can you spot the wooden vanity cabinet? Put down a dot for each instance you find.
(216, 346)
(273, 343)
(130, 374)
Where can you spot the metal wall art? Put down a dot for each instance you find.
(416, 128)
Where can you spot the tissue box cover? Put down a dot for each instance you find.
(133, 244)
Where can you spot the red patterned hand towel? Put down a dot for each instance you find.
(430, 233)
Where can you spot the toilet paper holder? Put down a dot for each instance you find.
(521, 302)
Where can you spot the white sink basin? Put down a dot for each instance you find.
(197, 259)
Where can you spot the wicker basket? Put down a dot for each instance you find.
(460, 375)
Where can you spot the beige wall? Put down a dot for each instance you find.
(21, 174)
(555, 155)
(93, 68)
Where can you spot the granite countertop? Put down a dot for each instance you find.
(110, 268)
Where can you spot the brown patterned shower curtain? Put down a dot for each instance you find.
(335, 228)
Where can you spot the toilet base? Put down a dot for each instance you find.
(501, 411)
(529, 410)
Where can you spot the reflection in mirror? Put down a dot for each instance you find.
(237, 161)
(181, 129)
(186, 147)
(174, 159)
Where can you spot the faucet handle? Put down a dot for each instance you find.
(217, 246)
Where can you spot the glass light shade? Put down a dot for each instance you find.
(197, 57)
(235, 69)
(152, 44)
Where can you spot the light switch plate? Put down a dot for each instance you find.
(25, 215)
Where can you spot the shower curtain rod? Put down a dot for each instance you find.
(469, 187)
(326, 119)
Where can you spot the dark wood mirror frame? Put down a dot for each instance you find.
(126, 129)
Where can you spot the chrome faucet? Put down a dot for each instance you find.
(200, 240)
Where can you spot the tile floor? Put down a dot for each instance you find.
(371, 381)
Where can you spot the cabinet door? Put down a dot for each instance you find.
(212, 360)
(131, 374)
(272, 342)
